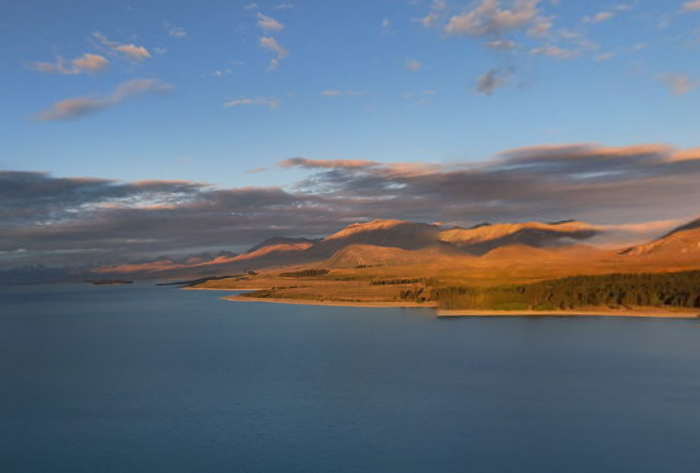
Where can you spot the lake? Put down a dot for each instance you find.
(154, 379)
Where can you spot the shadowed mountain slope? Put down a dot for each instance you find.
(683, 243)
(486, 237)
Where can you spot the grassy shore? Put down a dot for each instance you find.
(641, 312)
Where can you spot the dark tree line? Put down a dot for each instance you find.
(306, 273)
(614, 290)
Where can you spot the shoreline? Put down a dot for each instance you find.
(372, 305)
(647, 314)
(253, 289)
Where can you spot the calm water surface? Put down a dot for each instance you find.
(145, 379)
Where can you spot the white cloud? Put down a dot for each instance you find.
(252, 6)
(86, 63)
(678, 84)
(270, 102)
(284, 6)
(269, 24)
(70, 109)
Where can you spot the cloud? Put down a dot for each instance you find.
(488, 18)
(678, 84)
(273, 45)
(326, 163)
(79, 220)
(691, 6)
(87, 63)
(71, 109)
(557, 52)
(604, 57)
(129, 51)
(692, 154)
(607, 15)
(284, 6)
(252, 6)
(343, 93)
(412, 65)
(541, 27)
(502, 44)
(269, 24)
(490, 81)
(432, 18)
(270, 102)
(598, 18)
(135, 52)
(177, 32)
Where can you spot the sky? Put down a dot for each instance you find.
(228, 122)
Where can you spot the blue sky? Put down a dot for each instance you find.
(412, 97)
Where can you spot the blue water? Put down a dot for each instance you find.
(146, 379)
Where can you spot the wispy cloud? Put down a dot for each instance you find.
(555, 51)
(270, 102)
(678, 84)
(343, 93)
(269, 24)
(598, 18)
(326, 163)
(491, 80)
(75, 108)
(130, 51)
(488, 18)
(272, 44)
(87, 63)
(284, 6)
(412, 65)
(177, 32)
(691, 6)
(435, 14)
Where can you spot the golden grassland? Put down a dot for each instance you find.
(384, 276)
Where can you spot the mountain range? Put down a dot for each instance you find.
(522, 248)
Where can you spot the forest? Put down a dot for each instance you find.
(680, 290)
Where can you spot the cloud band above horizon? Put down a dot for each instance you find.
(45, 218)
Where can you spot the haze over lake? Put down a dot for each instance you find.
(153, 379)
